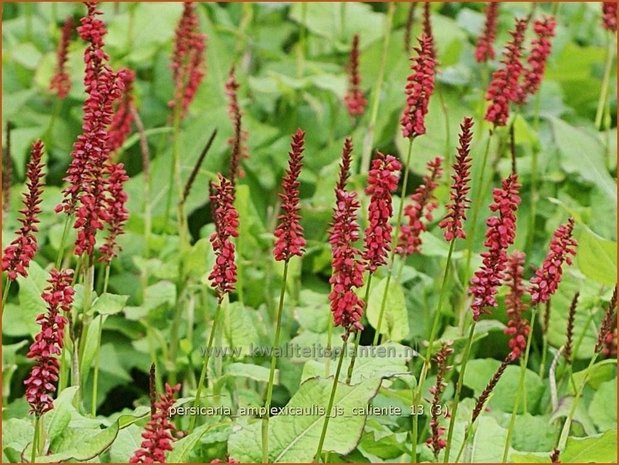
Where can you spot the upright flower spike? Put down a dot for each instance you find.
(18, 254)
(500, 234)
(157, 437)
(115, 201)
(419, 212)
(607, 335)
(419, 88)
(61, 81)
(496, 377)
(436, 440)
(383, 180)
(345, 165)
(453, 223)
(354, 99)
(484, 49)
(47, 345)
(540, 51)
(569, 330)
(238, 141)
(517, 326)
(548, 276)
(120, 127)
(289, 240)
(427, 26)
(188, 59)
(226, 219)
(504, 86)
(410, 19)
(609, 16)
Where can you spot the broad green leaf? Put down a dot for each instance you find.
(602, 448)
(58, 419)
(127, 442)
(30, 302)
(184, 447)
(246, 370)
(91, 345)
(597, 258)
(239, 327)
(489, 441)
(17, 434)
(599, 373)
(534, 433)
(603, 407)
(395, 320)
(109, 304)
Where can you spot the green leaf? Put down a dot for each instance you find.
(30, 302)
(603, 407)
(109, 304)
(127, 442)
(239, 327)
(58, 419)
(246, 370)
(395, 319)
(534, 433)
(600, 372)
(489, 441)
(601, 448)
(17, 434)
(91, 345)
(597, 258)
(185, 446)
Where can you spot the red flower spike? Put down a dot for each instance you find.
(61, 81)
(157, 437)
(354, 98)
(419, 212)
(47, 345)
(504, 87)
(517, 326)
(459, 203)
(540, 50)
(188, 59)
(548, 276)
(609, 16)
(345, 165)
(117, 213)
(346, 306)
(500, 234)
(226, 219)
(17, 256)
(383, 180)
(289, 240)
(607, 335)
(484, 49)
(569, 330)
(427, 26)
(437, 441)
(419, 88)
(238, 141)
(120, 127)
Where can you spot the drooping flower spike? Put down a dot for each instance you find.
(354, 99)
(120, 127)
(383, 180)
(548, 276)
(47, 345)
(115, 201)
(18, 254)
(517, 326)
(484, 49)
(419, 88)
(61, 81)
(238, 140)
(289, 240)
(500, 234)
(419, 212)
(453, 223)
(536, 61)
(224, 274)
(609, 16)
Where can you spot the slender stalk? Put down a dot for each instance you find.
(35, 439)
(456, 399)
(63, 239)
(95, 378)
(398, 225)
(175, 328)
(278, 327)
(148, 221)
(605, 81)
(353, 359)
(176, 163)
(5, 293)
(207, 356)
(325, 425)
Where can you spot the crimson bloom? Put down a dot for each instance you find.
(226, 218)
(289, 240)
(540, 50)
(157, 436)
(419, 88)
(436, 441)
(504, 87)
(500, 234)
(17, 256)
(423, 203)
(548, 276)
(459, 203)
(354, 98)
(61, 81)
(609, 16)
(484, 49)
(517, 326)
(120, 127)
(117, 213)
(383, 180)
(345, 165)
(47, 345)
(239, 136)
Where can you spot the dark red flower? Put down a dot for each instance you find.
(517, 326)
(238, 141)
(484, 49)
(504, 86)
(61, 81)
(289, 238)
(485, 394)
(117, 214)
(419, 212)
(188, 59)
(500, 234)
(21, 250)
(548, 276)
(569, 330)
(459, 203)
(436, 441)
(354, 98)
(157, 437)
(609, 16)
(607, 336)
(419, 88)
(47, 345)
(120, 127)
(540, 50)
(226, 219)
(382, 182)
(345, 165)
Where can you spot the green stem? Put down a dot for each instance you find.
(95, 378)
(325, 425)
(605, 82)
(207, 357)
(175, 168)
(35, 439)
(276, 340)
(456, 399)
(5, 293)
(63, 239)
(441, 300)
(353, 359)
(178, 310)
